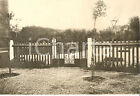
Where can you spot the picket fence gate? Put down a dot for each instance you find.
(110, 55)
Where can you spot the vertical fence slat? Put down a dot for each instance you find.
(121, 54)
(113, 51)
(98, 53)
(129, 48)
(109, 52)
(102, 52)
(95, 54)
(133, 59)
(125, 54)
(138, 70)
(23, 54)
(106, 54)
(117, 54)
(48, 59)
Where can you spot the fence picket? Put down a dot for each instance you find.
(98, 53)
(137, 65)
(124, 54)
(102, 52)
(133, 59)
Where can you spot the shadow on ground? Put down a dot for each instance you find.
(6, 75)
(99, 91)
(96, 79)
(125, 76)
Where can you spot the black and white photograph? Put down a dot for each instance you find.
(69, 47)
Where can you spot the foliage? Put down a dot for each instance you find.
(135, 27)
(107, 35)
(35, 33)
(99, 10)
(74, 35)
(123, 32)
(93, 34)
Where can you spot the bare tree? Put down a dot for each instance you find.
(99, 11)
(11, 27)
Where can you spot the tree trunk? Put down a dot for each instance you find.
(10, 69)
(92, 74)
(95, 23)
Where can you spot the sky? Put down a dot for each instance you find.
(75, 14)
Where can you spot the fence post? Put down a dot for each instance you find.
(53, 48)
(138, 64)
(11, 54)
(11, 50)
(89, 57)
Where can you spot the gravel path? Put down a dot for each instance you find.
(68, 80)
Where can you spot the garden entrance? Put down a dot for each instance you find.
(108, 55)
(54, 54)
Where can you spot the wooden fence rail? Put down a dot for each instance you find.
(24, 52)
(110, 55)
(117, 55)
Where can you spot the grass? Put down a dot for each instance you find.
(68, 80)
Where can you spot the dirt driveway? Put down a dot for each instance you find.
(68, 80)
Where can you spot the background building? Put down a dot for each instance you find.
(4, 23)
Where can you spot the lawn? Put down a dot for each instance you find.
(67, 80)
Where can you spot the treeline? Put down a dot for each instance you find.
(130, 31)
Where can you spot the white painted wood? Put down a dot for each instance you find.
(54, 48)
(11, 50)
(89, 57)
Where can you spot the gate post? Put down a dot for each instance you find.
(54, 59)
(11, 50)
(11, 54)
(89, 57)
(53, 48)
